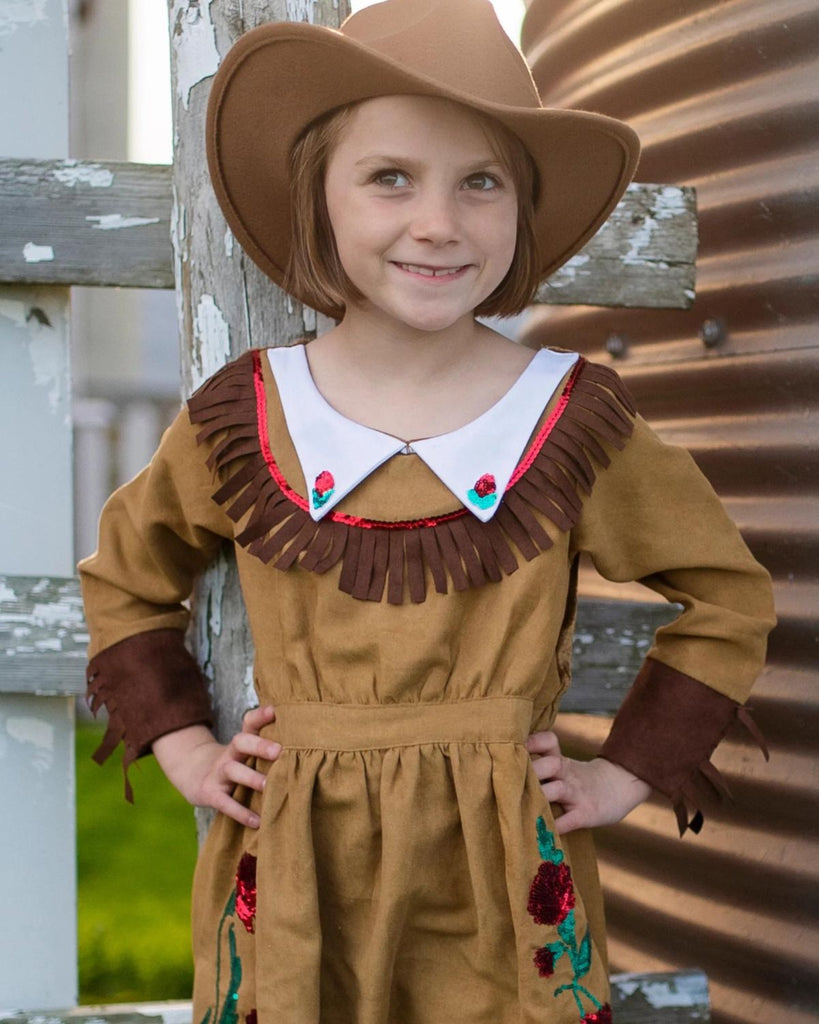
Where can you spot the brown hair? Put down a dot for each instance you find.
(314, 269)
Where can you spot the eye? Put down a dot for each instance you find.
(482, 181)
(391, 178)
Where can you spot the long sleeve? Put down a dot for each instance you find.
(652, 516)
(156, 534)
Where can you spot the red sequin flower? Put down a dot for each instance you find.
(324, 482)
(250, 1018)
(601, 1016)
(545, 962)
(551, 896)
(246, 891)
(485, 485)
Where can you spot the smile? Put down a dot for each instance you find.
(415, 268)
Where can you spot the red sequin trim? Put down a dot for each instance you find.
(551, 896)
(548, 426)
(246, 891)
(407, 524)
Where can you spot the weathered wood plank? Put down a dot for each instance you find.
(68, 222)
(43, 638)
(610, 641)
(43, 643)
(675, 997)
(655, 226)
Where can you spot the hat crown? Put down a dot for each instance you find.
(419, 34)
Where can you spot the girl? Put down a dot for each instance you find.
(407, 496)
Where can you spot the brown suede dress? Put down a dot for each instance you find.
(407, 869)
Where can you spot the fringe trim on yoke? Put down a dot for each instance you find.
(455, 548)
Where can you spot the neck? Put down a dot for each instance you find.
(398, 352)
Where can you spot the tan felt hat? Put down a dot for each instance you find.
(280, 77)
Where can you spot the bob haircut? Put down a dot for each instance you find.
(315, 270)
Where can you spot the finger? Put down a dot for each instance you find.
(544, 743)
(225, 804)
(548, 768)
(236, 772)
(555, 792)
(257, 718)
(248, 744)
(570, 822)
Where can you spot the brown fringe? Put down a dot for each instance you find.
(458, 549)
(97, 697)
(707, 783)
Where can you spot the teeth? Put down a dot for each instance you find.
(428, 271)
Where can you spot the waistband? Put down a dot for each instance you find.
(316, 725)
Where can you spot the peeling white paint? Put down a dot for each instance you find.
(47, 353)
(211, 340)
(228, 243)
(58, 612)
(639, 241)
(115, 221)
(568, 273)
(6, 593)
(301, 10)
(74, 173)
(194, 42)
(14, 310)
(669, 202)
(685, 990)
(16, 14)
(33, 253)
(308, 319)
(37, 733)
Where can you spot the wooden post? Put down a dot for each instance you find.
(37, 853)
(225, 303)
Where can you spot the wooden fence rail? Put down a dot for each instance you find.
(68, 222)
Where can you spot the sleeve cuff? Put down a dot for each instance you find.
(665, 732)
(150, 685)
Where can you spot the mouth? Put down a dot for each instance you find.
(433, 272)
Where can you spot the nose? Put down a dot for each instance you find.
(435, 217)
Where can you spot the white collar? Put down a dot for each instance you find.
(475, 462)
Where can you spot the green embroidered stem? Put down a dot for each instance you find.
(230, 908)
(230, 1014)
(580, 957)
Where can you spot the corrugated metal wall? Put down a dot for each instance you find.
(725, 96)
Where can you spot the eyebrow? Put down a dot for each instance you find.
(384, 159)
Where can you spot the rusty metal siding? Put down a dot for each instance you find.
(725, 98)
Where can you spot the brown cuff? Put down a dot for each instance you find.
(665, 732)
(150, 685)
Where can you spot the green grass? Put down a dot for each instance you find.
(134, 877)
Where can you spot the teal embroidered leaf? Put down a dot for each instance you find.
(566, 930)
(546, 844)
(206, 1018)
(582, 962)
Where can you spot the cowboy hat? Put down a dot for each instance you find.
(280, 77)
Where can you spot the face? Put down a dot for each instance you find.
(424, 213)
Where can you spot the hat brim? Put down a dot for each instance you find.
(280, 77)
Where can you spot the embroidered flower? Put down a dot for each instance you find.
(250, 1018)
(601, 1016)
(551, 896)
(323, 488)
(483, 494)
(545, 962)
(246, 891)
(552, 902)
